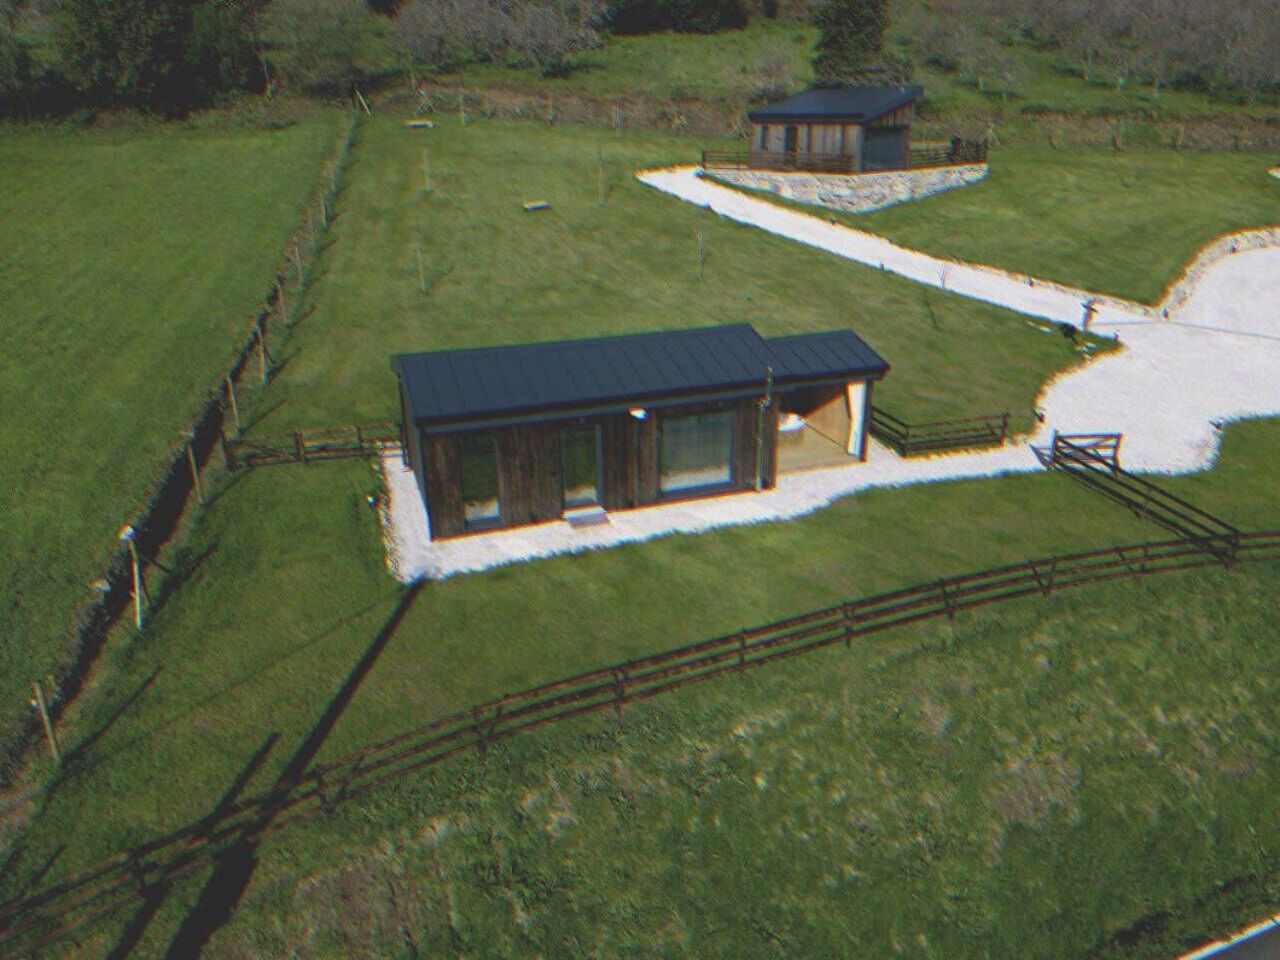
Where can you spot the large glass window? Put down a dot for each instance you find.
(479, 462)
(580, 457)
(697, 451)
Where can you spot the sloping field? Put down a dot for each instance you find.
(1124, 223)
(130, 268)
(974, 765)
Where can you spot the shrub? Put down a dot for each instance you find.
(682, 16)
(851, 42)
(317, 42)
(164, 55)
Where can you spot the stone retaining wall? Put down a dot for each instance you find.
(859, 193)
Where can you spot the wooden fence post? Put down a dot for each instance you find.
(49, 733)
(262, 353)
(195, 472)
(850, 617)
(228, 451)
(1004, 428)
(300, 446)
(235, 410)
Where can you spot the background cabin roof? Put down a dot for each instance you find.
(457, 388)
(852, 104)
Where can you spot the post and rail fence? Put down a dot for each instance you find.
(938, 436)
(920, 157)
(1094, 460)
(302, 446)
(177, 479)
(45, 916)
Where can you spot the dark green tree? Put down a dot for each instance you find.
(162, 55)
(14, 72)
(850, 48)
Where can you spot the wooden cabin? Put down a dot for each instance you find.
(848, 130)
(512, 436)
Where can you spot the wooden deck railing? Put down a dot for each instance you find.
(916, 439)
(921, 156)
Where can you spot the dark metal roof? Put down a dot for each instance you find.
(816, 356)
(457, 388)
(853, 104)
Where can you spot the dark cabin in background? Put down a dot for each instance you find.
(849, 130)
(512, 436)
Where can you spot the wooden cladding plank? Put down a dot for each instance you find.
(441, 480)
(529, 472)
(618, 447)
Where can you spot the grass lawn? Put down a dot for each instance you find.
(963, 764)
(1037, 781)
(1069, 734)
(496, 275)
(1125, 223)
(129, 269)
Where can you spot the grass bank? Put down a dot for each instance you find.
(130, 267)
(1123, 223)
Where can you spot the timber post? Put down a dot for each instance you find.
(195, 472)
(228, 451)
(262, 353)
(42, 705)
(231, 397)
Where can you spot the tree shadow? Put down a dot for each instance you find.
(257, 671)
(154, 896)
(235, 866)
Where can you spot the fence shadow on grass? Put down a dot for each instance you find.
(236, 864)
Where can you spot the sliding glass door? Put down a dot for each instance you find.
(696, 452)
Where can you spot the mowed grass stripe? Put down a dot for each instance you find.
(131, 269)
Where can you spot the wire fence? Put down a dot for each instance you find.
(179, 479)
(42, 917)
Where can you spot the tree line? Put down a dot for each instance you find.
(170, 56)
(1212, 46)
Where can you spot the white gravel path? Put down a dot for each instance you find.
(1029, 295)
(1168, 392)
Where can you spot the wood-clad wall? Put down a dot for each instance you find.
(440, 481)
(529, 474)
(530, 468)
